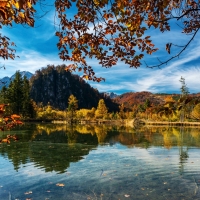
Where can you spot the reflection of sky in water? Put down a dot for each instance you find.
(108, 172)
(149, 165)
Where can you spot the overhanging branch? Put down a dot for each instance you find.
(177, 55)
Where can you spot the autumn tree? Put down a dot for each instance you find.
(122, 111)
(72, 106)
(111, 31)
(101, 111)
(87, 114)
(168, 109)
(7, 122)
(196, 112)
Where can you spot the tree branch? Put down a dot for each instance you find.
(177, 55)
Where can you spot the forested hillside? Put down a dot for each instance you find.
(53, 85)
(131, 99)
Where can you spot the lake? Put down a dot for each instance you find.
(89, 162)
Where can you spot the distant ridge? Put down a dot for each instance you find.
(5, 81)
(112, 95)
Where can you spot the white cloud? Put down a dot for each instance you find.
(155, 80)
(29, 61)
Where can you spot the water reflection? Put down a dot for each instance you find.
(54, 147)
(100, 162)
(129, 136)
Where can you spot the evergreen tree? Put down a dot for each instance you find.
(15, 94)
(184, 89)
(18, 96)
(184, 94)
(147, 104)
(27, 105)
(3, 93)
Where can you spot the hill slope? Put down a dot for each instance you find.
(136, 98)
(54, 85)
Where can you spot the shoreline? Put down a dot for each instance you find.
(132, 122)
(173, 123)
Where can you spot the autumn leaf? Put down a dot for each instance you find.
(29, 192)
(18, 122)
(15, 116)
(3, 3)
(168, 47)
(60, 184)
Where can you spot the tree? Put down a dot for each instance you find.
(27, 104)
(147, 104)
(183, 101)
(3, 94)
(184, 89)
(101, 110)
(18, 96)
(196, 112)
(15, 94)
(8, 122)
(72, 106)
(168, 109)
(121, 111)
(111, 31)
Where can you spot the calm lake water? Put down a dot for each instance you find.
(60, 162)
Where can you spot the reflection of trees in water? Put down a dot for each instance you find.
(57, 157)
(101, 133)
(16, 152)
(183, 152)
(48, 145)
(72, 135)
(167, 138)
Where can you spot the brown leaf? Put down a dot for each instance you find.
(29, 192)
(168, 47)
(60, 184)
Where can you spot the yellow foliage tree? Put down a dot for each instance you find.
(72, 106)
(101, 112)
(196, 112)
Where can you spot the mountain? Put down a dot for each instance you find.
(54, 85)
(112, 95)
(6, 80)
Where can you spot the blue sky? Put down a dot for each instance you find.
(37, 48)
